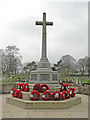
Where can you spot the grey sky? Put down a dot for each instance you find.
(68, 35)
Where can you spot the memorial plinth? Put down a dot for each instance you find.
(27, 104)
(44, 76)
(43, 72)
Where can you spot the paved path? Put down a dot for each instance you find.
(11, 111)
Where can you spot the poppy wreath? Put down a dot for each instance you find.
(56, 95)
(63, 87)
(26, 87)
(44, 87)
(73, 92)
(11, 91)
(35, 95)
(37, 87)
(14, 93)
(19, 94)
(68, 95)
(19, 86)
(67, 85)
(61, 83)
(22, 86)
(46, 95)
(64, 94)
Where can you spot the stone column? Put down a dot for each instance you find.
(80, 81)
(76, 80)
(72, 79)
(51, 77)
(44, 52)
(38, 77)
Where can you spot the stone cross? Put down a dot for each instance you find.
(44, 23)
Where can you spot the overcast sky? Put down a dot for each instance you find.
(68, 35)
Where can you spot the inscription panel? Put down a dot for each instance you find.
(44, 77)
(54, 77)
(33, 76)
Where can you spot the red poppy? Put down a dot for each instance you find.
(44, 87)
(68, 94)
(11, 91)
(37, 87)
(46, 95)
(22, 86)
(35, 95)
(61, 83)
(19, 86)
(19, 94)
(64, 94)
(56, 95)
(14, 93)
(63, 87)
(73, 92)
(26, 87)
(67, 85)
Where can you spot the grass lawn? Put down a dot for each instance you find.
(6, 79)
(83, 79)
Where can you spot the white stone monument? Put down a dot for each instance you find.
(44, 73)
(76, 80)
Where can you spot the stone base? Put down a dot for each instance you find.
(52, 87)
(45, 75)
(44, 63)
(27, 104)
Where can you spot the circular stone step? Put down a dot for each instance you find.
(51, 89)
(27, 104)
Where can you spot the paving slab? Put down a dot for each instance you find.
(36, 114)
(57, 115)
(78, 111)
(79, 114)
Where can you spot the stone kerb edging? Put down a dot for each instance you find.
(27, 104)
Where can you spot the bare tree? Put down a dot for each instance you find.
(82, 65)
(66, 65)
(11, 60)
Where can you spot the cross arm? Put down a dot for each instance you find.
(49, 23)
(39, 23)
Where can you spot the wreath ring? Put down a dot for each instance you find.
(56, 95)
(35, 95)
(44, 86)
(46, 95)
(19, 94)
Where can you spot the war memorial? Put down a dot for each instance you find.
(44, 72)
(41, 76)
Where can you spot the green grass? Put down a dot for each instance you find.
(14, 78)
(8, 81)
(83, 79)
(23, 77)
